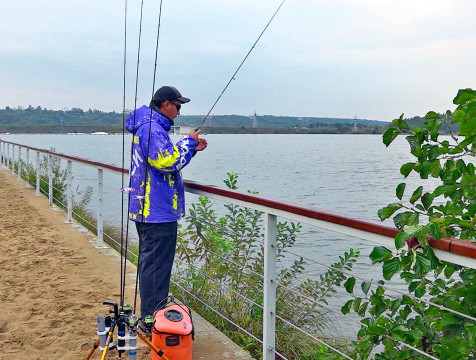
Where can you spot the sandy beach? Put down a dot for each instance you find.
(53, 280)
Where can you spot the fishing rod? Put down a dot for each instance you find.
(239, 67)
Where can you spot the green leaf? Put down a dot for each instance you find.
(450, 319)
(349, 285)
(391, 267)
(388, 211)
(427, 200)
(388, 343)
(400, 123)
(425, 169)
(346, 308)
(414, 335)
(363, 308)
(416, 194)
(356, 304)
(449, 270)
(400, 190)
(365, 287)
(400, 239)
(434, 153)
(379, 253)
(435, 231)
(413, 285)
(395, 304)
(430, 254)
(463, 96)
(407, 168)
(442, 190)
(401, 219)
(414, 220)
(389, 135)
(422, 264)
(420, 291)
(432, 115)
(377, 330)
(415, 142)
(435, 169)
(435, 130)
(412, 230)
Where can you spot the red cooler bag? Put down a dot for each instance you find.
(173, 332)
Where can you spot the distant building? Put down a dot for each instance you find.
(355, 130)
(255, 121)
(180, 130)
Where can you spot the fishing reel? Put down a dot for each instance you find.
(126, 323)
(147, 325)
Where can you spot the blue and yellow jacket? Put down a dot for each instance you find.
(159, 196)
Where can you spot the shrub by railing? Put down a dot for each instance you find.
(221, 261)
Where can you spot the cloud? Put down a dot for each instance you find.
(332, 58)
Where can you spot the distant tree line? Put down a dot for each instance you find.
(38, 119)
(39, 116)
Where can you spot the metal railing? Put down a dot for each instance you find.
(455, 251)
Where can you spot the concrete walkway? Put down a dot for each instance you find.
(54, 280)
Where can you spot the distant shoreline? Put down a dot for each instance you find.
(64, 129)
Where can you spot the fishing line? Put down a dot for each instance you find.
(124, 251)
(123, 145)
(147, 154)
(239, 67)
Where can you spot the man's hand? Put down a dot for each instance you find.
(202, 144)
(194, 134)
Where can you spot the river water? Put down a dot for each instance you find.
(347, 174)
(352, 175)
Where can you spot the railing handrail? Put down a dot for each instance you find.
(73, 158)
(459, 247)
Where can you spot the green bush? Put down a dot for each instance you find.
(389, 319)
(221, 258)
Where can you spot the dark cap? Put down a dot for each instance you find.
(167, 93)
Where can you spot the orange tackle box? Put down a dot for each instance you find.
(173, 332)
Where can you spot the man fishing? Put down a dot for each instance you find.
(157, 191)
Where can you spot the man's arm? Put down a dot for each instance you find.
(166, 157)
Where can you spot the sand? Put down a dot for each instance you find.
(52, 280)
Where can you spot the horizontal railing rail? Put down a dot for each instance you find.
(456, 251)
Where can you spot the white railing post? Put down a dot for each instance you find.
(13, 159)
(26, 167)
(38, 173)
(9, 161)
(19, 163)
(50, 180)
(69, 190)
(269, 298)
(100, 208)
(4, 154)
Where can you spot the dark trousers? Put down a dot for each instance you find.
(157, 250)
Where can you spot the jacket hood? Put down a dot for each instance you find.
(141, 116)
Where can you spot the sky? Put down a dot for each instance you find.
(371, 59)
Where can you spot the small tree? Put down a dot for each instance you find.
(448, 210)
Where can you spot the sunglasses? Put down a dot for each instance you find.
(177, 105)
